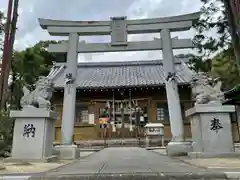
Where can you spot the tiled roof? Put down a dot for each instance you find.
(120, 74)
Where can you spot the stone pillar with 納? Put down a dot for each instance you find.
(34, 125)
(67, 149)
(177, 146)
(210, 120)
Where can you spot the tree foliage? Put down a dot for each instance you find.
(6, 128)
(214, 44)
(27, 66)
(223, 66)
(1, 28)
(212, 29)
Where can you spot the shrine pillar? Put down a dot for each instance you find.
(177, 146)
(67, 149)
(69, 101)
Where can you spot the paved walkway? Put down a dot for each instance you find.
(125, 160)
(132, 163)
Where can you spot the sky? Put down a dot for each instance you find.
(29, 31)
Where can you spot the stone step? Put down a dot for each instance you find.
(117, 143)
(15, 177)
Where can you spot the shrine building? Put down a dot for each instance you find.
(117, 84)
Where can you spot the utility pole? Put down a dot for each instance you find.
(5, 47)
(9, 57)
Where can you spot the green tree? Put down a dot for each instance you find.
(214, 43)
(6, 128)
(5, 121)
(48, 58)
(225, 68)
(213, 21)
(196, 62)
(217, 16)
(27, 66)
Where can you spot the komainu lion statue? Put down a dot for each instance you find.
(206, 90)
(40, 97)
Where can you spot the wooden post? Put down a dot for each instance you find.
(6, 50)
(136, 124)
(105, 136)
(122, 117)
(130, 113)
(149, 110)
(113, 116)
(5, 92)
(109, 123)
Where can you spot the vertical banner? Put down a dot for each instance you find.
(235, 6)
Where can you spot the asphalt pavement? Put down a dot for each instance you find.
(130, 163)
(125, 160)
(127, 163)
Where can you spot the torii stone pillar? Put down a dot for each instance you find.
(67, 149)
(177, 146)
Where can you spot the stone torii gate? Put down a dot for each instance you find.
(118, 28)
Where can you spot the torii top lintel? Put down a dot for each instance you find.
(86, 28)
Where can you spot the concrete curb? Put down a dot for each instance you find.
(90, 149)
(133, 176)
(141, 176)
(155, 148)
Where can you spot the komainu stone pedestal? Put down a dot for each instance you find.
(32, 138)
(211, 130)
(67, 152)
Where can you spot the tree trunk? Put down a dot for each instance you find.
(9, 55)
(233, 32)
